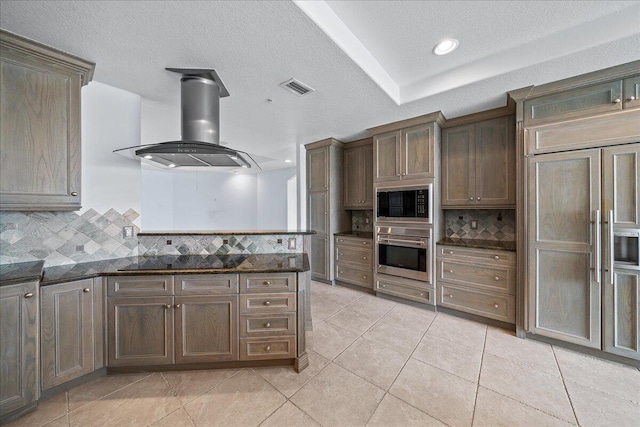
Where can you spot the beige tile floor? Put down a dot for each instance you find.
(372, 362)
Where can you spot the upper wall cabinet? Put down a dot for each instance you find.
(478, 164)
(358, 175)
(39, 125)
(405, 153)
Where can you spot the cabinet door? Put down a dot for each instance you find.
(352, 178)
(319, 212)
(366, 176)
(319, 257)
(458, 166)
(206, 328)
(417, 152)
(621, 172)
(387, 157)
(18, 346)
(495, 162)
(318, 169)
(40, 134)
(631, 95)
(66, 332)
(622, 313)
(564, 256)
(140, 331)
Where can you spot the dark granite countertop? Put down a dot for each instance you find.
(479, 243)
(224, 233)
(360, 234)
(183, 264)
(11, 274)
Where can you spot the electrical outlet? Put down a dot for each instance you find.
(292, 243)
(127, 231)
(474, 224)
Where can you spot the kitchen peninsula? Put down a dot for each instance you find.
(200, 300)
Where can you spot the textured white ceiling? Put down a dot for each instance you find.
(255, 46)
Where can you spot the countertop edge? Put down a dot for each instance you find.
(227, 233)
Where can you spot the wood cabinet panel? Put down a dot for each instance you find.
(267, 324)
(622, 314)
(367, 177)
(67, 332)
(19, 352)
(458, 166)
(491, 305)
(496, 278)
(267, 282)
(358, 177)
(137, 286)
(401, 288)
(477, 255)
(417, 151)
(387, 157)
(267, 348)
(141, 331)
(319, 257)
(318, 165)
(357, 256)
(40, 133)
(267, 303)
(621, 172)
(356, 276)
(199, 284)
(631, 96)
(206, 328)
(319, 212)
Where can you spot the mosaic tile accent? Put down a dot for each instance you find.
(359, 221)
(489, 226)
(217, 244)
(61, 238)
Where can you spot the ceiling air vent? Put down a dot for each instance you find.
(296, 87)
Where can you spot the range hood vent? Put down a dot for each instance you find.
(201, 90)
(297, 87)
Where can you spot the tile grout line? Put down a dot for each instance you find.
(108, 394)
(475, 401)
(564, 385)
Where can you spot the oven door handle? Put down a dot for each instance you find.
(411, 242)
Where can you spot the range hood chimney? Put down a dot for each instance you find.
(201, 90)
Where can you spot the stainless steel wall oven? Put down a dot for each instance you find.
(404, 252)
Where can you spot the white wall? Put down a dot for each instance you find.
(272, 199)
(110, 120)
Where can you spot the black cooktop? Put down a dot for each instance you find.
(186, 262)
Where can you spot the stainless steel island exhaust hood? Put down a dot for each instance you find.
(201, 90)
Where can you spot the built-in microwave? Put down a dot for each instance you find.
(409, 203)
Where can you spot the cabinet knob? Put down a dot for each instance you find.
(340, 253)
(631, 98)
(496, 257)
(384, 286)
(364, 257)
(450, 252)
(74, 193)
(167, 306)
(86, 290)
(495, 306)
(268, 348)
(28, 295)
(177, 305)
(497, 278)
(364, 277)
(470, 197)
(478, 198)
(364, 243)
(267, 303)
(450, 271)
(450, 296)
(267, 325)
(617, 101)
(421, 294)
(266, 282)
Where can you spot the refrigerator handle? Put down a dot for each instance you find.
(597, 244)
(611, 243)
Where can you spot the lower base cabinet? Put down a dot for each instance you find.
(621, 313)
(19, 315)
(354, 260)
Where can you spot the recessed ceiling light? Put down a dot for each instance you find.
(171, 165)
(446, 46)
(287, 161)
(148, 156)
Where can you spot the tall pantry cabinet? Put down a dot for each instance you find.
(325, 211)
(582, 194)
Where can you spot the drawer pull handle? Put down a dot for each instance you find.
(86, 290)
(267, 303)
(450, 271)
(340, 253)
(617, 101)
(364, 257)
(496, 257)
(384, 286)
(28, 295)
(74, 193)
(364, 243)
(267, 325)
(268, 348)
(471, 198)
(450, 296)
(266, 282)
(495, 306)
(177, 305)
(421, 294)
(364, 277)
(631, 98)
(497, 278)
(450, 252)
(167, 306)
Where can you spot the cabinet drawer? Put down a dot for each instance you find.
(358, 256)
(403, 291)
(354, 241)
(570, 104)
(267, 303)
(202, 284)
(267, 325)
(267, 348)
(140, 286)
(501, 279)
(354, 275)
(486, 304)
(268, 282)
(479, 255)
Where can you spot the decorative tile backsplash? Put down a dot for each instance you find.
(61, 238)
(362, 221)
(221, 244)
(492, 224)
